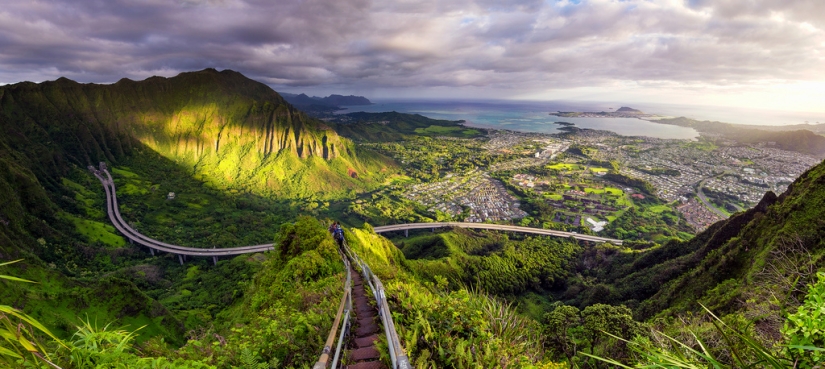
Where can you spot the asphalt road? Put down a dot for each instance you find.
(706, 202)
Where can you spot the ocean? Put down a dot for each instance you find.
(533, 116)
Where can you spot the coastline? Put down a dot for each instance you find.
(627, 128)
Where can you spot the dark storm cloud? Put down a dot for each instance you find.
(527, 45)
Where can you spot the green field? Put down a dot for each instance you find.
(555, 196)
(598, 170)
(565, 166)
(124, 172)
(610, 190)
(702, 145)
(659, 208)
(96, 231)
(447, 130)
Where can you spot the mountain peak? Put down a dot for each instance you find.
(206, 120)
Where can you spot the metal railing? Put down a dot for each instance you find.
(398, 356)
(343, 311)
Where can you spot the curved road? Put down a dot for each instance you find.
(497, 227)
(397, 353)
(135, 236)
(707, 203)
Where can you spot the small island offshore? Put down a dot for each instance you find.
(623, 112)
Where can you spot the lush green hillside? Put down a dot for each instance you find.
(201, 134)
(799, 140)
(36, 225)
(393, 126)
(229, 130)
(722, 266)
(491, 261)
(238, 157)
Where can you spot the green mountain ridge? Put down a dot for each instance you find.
(232, 131)
(235, 134)
(799, 140)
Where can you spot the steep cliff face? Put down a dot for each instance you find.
(229, 129)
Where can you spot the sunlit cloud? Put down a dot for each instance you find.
(731, 52)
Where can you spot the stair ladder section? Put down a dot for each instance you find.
(364, 355)
(344, 310)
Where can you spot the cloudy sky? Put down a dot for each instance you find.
(747, 53)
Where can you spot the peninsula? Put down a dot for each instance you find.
(623, 112)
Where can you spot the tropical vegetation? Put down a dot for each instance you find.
(247, 168)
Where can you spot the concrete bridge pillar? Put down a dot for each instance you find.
(215, 260)
(406, 233)
(152, 251)
(180, 258)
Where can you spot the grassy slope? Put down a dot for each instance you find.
(34, 230)
(722, 267)
(735, 260)
(51, 210)
(449, 327)
(523, 270)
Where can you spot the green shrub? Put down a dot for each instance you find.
(805, 329)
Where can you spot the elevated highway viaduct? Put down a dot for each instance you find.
(496, 227)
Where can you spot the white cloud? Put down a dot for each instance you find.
(527, 48)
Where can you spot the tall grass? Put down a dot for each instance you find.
(18, 332)
(745, 352)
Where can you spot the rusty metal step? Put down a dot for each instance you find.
(364, 354)
(367, 365)
(366, 341)
(366, 330)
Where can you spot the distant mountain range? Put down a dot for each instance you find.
(331, 100)
(791, 138)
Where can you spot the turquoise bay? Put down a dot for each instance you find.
(526, 116)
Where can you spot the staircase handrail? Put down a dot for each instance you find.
(344, 310)
(398, 357)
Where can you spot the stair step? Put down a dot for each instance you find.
(362, 304)
(367, 365)
(365, 353)
(366, 330)
(364, 320)
(366, 341)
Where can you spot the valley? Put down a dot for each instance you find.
(711, 221)
(576, 184)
